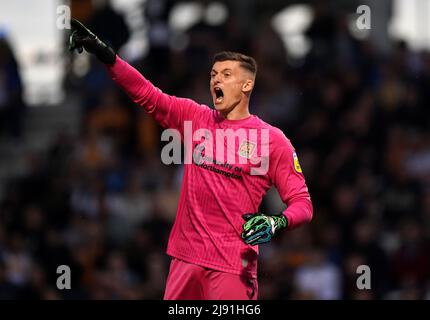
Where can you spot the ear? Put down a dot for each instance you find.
(248, 85)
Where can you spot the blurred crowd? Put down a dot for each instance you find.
(103, 203)
(12, 106)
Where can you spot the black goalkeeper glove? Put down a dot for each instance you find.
(82, 38)
(259, 228)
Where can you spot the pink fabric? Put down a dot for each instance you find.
(187, 281)
(214, 196)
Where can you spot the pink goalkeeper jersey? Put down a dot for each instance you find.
(217, 190)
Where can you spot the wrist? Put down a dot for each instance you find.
(281, 221)
(105, 53)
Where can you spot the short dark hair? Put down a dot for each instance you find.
(246, 62)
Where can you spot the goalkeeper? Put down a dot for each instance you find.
(215, 237)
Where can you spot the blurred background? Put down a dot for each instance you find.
(82, 183)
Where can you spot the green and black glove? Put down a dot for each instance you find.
(259, 228)
(82, 38)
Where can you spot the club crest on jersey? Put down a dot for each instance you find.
(246, 149)
(296, 163)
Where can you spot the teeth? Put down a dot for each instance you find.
(218, 95)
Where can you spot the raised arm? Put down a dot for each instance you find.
(169, 111)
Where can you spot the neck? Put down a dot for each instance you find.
(238, 112)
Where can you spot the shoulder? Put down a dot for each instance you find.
(277, 138)
(194, 108)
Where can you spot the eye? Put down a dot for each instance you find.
(227, 75)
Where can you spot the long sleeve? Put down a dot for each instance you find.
(288, 178)
(169, 111)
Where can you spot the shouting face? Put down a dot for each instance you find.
(229, 84)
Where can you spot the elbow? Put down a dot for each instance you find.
(309, 211)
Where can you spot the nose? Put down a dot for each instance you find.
(216, 79)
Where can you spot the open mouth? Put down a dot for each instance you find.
(219, 95)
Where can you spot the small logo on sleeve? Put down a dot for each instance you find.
(296, 163)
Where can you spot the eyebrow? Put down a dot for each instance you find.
(223, 70)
